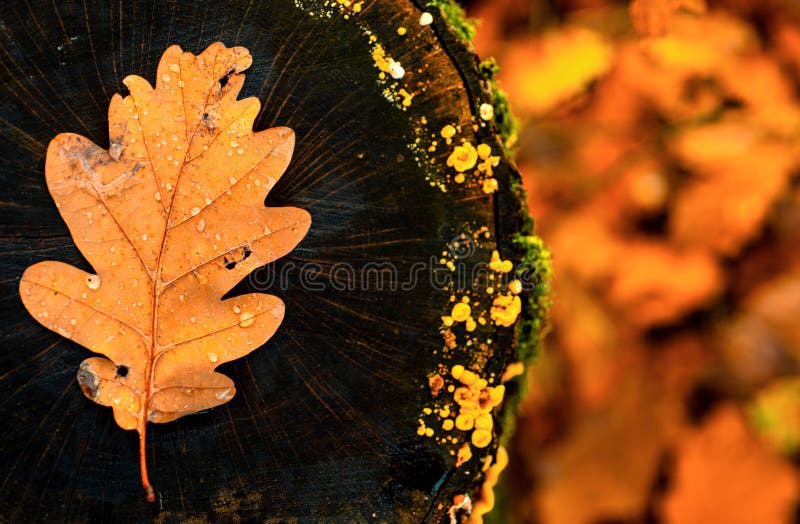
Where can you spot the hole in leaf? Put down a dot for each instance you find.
(122, 371)
(224, 80)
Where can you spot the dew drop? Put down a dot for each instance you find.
(165, 77)
(93, 281)
(212, 357)
(157, 196)
(201, 225)
(246, 319)
(236, 310)
(195, 210)
(231, 179)
(225, 394)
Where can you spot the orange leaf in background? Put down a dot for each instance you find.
(604, 467)
(171, 217)
(722, 464)
(656, 285)
(741, 177)
(653, 17)
(540, 73)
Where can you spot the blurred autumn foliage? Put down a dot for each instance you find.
(659, 142)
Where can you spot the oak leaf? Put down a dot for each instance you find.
(170, 217)
(722, 464)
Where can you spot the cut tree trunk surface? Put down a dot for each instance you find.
(325, 423)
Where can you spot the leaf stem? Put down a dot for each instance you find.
(151, 496)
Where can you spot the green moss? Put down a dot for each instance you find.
(463, 26)
(537, 266)
(503, 117)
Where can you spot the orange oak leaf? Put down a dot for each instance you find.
(171, 217)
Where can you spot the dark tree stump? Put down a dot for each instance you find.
(324, 425)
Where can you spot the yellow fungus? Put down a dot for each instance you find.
(513, 370)
(429, 432)
(447, 321)
(407, 97)
(489, 186)
(463, 396)
(471, 325)
(463, 157)
(487, 166)
(515, 286)
(457, 370)
(448, 424)
(401, 31)
(486, 111)
(505, 310)
(421, 431)
(484, 151)
(485, 503)
(484, 421)
(481, 438)
(501, 266)
(461, 312)
(464, 454)
(448, 132)
(468, 378)
(427, 411)
(497, 393)
(465, 422)
(436, 383)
